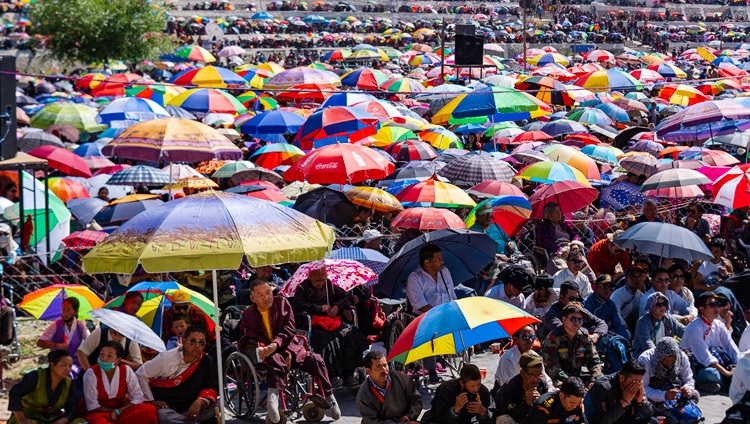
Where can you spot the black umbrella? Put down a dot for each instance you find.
(32, 140)
(621, 140)
(327, 205)
(403, 174)
(465, 253)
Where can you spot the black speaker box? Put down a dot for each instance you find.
(8, 147)
(469, 45)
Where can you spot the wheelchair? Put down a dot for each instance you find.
(14, 346)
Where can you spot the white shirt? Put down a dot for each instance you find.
(677, 304)
(685, 374)
(581, 280)
(92, 342)
(717, 335)
(539, 311)
(509, 367)
(422, 290)
(51, 329)
(745, 340)
(91, 392)
(626, 301)
(167, 365)
(498, 292)
(740, 379)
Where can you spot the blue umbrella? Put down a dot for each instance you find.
(273, 124)
(261, 16)
(120, 212)
(346, 99)
(396, 187)
(664, 240)
(369, 257)
(85, 209)
(89, 149)
(563, 126)
(470, 129)
(133, 109)
(314, 19)
(590, 115)
(465, 253)
(615, 112)
(726, 59)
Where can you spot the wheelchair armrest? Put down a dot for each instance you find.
(541, 251)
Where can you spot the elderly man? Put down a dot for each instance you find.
(484, 224)
(605, 256)
(182, 382)
(387, 396)
(573, 273)
(340, 346)
(268, 324)
(648, 212)
(181, 305)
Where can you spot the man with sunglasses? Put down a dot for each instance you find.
(714, 351)
(182, 305)
(568, 349)
(552, 320)
(696, 223)
(679, 308)
(182, 382)
(573, 273)
(600, 304)
(508, 366)
(514, 400)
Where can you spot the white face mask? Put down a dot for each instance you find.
(4, 239)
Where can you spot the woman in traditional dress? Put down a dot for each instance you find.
(66, 333)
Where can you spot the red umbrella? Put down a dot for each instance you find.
(268, 185)
(307, 93)
(111, 170)
(274, 196)
(408, 150)
(570, 195)
(427, 219)
(97, 162)
(340, 164)
(114, 85)
(84, 239)
(535, 135)
(495, 189)
(63, 160)
(583, 137)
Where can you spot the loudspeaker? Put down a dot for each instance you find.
(469, 45)
(8, 148)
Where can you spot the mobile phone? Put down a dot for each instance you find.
(472, 396)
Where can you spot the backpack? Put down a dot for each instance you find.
(615, 352)
(682, 411)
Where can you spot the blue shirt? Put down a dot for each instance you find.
(496, 233)
(606, 310)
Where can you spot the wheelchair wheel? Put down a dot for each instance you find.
(312, 413)
(15, 351)
(397, 327)
(282, 420)
(296, 390)
(241, 386)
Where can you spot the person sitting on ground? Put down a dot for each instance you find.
(514, 399)
(628, 297)
(387, 396)
(269, 324)
(600, 304)
(182, 383)
(182, 305)
(340, 346)
(563, 406)
(88, 353)
(508, 366)
(712, 273)
(668, 373)
(542, 298)
(568, 349)
(696, 223)
(677, 278)
(512, 291)
(678, 307)
(66, 333)
(463, 400)
(656, 323)
(112, 392)
(46, 395)
(619, 398)
(180, 323)
(714, 351)
(605, 256)
(573, 273)
(552, 319)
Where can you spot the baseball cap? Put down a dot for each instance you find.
(484, 209)
(612, 236)
(636, 268)
(371, 234)
(530, 359)
(706, 296)
(604, 279)
(180, 296)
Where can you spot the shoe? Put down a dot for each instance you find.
(709, 387)
(336, 383)
(335, 410)
(434, 378)
(350, 381)
(272, 406)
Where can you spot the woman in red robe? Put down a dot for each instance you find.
(112, 391)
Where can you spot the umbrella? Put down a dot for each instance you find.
(609, 80)
(548, 90)
(370, 257)
(375, 199)
(664, 240)
(231, 168)
(84, 239)
(208, 100)
(733, 188)
(340, 164)
(440, 138)
(550, 172)
(209, 76)
(570, 195)
(427, 219)
(181, 171)
(506, 104)
(364, 78)
(601, 152)
(257, 173)
(276, 154)
(32, 140)
(161, 94)
(130, 327)
(590, 115)
(140, 174)
(678, 177)
(172, 140)
(681, 95)
(327, 205)
(703, 113)
(348, 124)
(472, 169)
(452, 327)
(494, 189)
(301, 75)
(66, 190)
(195, 54)
(622, 195)
(114, 85)
(408, 150)
(46, 303)
(88, 149)
(63, 160)
(432, 192)
(563, 126)
(79, 116)
(640, 165)
(130, 110)
(509, 212)
(343, 273)
(272, 124)
(574, 158)
(117, 213)
(85, 209)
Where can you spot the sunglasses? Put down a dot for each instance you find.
(194, 342)
(661, 280)
(575, 299)
(661, 305)
(181, 307)
(4, 234)
(576, 261)
(528, 337)
(606, 286)
(679, 276)
(576, 320)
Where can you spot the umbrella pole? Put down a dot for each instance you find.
(21, 227)
(46, 214)
(219, 365)
(170, 181)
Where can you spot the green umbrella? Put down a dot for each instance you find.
(232, 168)
(80, 116)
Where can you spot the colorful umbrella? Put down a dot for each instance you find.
(79, 116)
(66, 189)
(210, 77)
(550, 172)
(375, 199)
(547, 58)
(364, 78)
(733, 188)
(573, 158)
(452, 327)
(704, 113)
(678, 177)
(208, 100)
(427, 219)
(432, 192)
(255, 77)
(647, 76)
(509, 212)
(389, 135)
(114, 85)
(609, 80)
(408, 150)
(340, 164)
(668, 70)
(195, 54)
(63, 160)
(495, 189)
(345, 274)
(590, 115)
(402, 85)
(472, 169)
(548, 90)
(139, 174)
(301, 75)
(272, 155)
(601, 152)
(600, 56)
(270, 125)
(441, 138)
(681, 95)
(347, 123)
(640, 165)
(505, 103)
(130, 110)
(46, 303)
(570, 195)
(336, 55)
(82, 240)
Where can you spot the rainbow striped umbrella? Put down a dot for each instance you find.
(508, 212)
(209, 76)
(255, 77)
(364, 78)
(570, 156)
(272, 155)
(441, 138)
(550, 172)
(668, 70)
(455, 326)
(425, 59)
(46, 303)
(402, 85)
(682, 95)
(195, 53)
(389, 135)
(159, 93)
(607, 80)
(409, 150)
(89, 81)
(432, 192)
(66, 189)
(546, 58)
(208, 100)
(302, 75)
(336, 55)
(505, 104)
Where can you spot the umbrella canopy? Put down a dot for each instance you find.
(375, 199)
(343, 273)
(509, 212)
(301, 75)
(208, 100)
(455, 326)
(440, 138)
(211, 230)
(408, 150)
(370, 257)
(340, 164)
(472, 169)
(79, 116)
(640, 165)
(32, 140)
(364, 78)
(733, 188)
(703, 113)
(273, 155)
(548, 90)
(231, 168)
(181, 171)
(465, 253)
(677, 177)
(118, 213)
(130, 110)
(267, 126)
(46, 303)
(63, 160)
(344, 123)
(327, 205)
(550, 172)
(609, 80)
(209, 76)
(87, 239)
(130, 327)
(495, 189)
(172, 140)
(66, 190)
(427, 219)
(681, 95)
(432, 192)
(621, 195)
(85, 209)
(575, 159)
(140, 174)
(664, 240)
(570, 195)
(506, 104)
(159, 93)
(195, 53)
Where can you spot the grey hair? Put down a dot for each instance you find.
(548, 208)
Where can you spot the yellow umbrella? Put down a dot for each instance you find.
(375, 199)
(705, 54)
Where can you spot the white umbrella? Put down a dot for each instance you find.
(130, 327)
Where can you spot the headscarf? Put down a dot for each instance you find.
(666, 347)
(652, 300)
(10, 246)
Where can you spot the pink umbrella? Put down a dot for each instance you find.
(718, 158)
(342, 273)
(495, 189)
(427, 219)
(97, 162)
(683, 192)
(63, 160)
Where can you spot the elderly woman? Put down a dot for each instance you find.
(668, 373)
(655, 324)
(8, 247)
(46, 395)
(552, 234)
(66, 333)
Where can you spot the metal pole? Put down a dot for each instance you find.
(20, 209)
(219, 365)
(46, 214)
(442, 51)
(523, 4)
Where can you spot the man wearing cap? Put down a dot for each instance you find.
(514, 400)
(605, 255)
(543, 297)
(573, 273)
(568, 349)
(628, 297)
(181, 305)
(508, 366)
(553, 318)
(510, 292)
(600, 304)
(484, 224)
(714, 351)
